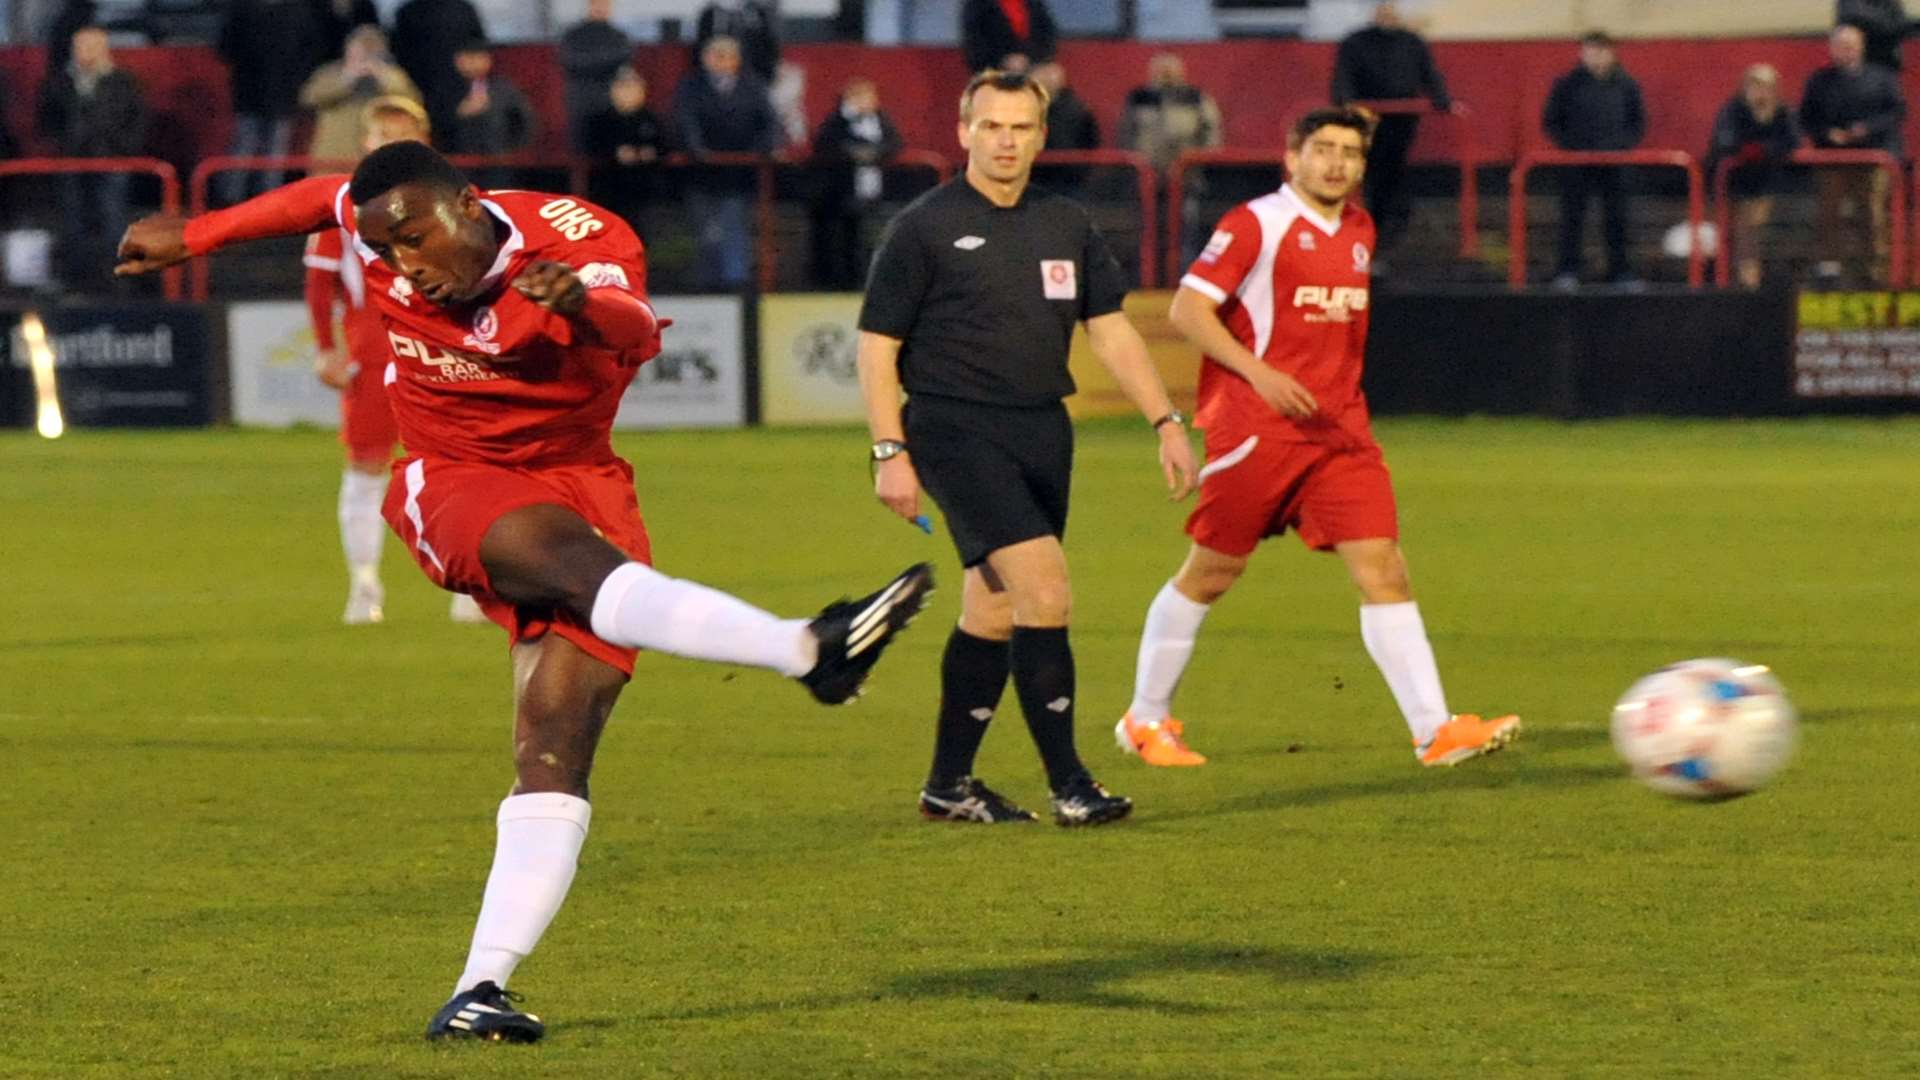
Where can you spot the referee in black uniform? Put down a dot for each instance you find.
(970, 307)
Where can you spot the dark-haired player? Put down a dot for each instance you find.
(1278, 303)
(514, 321)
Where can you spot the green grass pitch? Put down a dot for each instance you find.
(242, 840)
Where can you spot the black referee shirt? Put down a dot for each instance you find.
(985, 297)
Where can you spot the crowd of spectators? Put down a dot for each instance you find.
(324, 61)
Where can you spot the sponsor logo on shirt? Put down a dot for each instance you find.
(1057, 281)
(602, 275)
(1217, 246)
(1330, 303)
(570, 219)
(969, 243)
(1362, 258)
(445, 365)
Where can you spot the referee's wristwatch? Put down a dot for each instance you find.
(887, 449)
(1174, 416)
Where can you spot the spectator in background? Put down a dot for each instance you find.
(426, 34)
(1169, 116)
(592, 52)
(338, 94)
(1596, 106)
(72, 17)
(90, 108)
(1882, 22)
(1755, 133)
(1070, 124)
(338, 18)
(1382, 62)
(627, 135)
(848, 149)
(721, 108)
(270, 47)
(751, 23)
(1852, 105)
(993, 30)
(493, 119)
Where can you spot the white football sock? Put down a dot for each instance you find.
(1166, 644)
(1397, 640)
(361, 528)
(534, 857)
(641, 608)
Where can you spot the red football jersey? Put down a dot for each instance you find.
(1293, 288)
(503, 380)
(345, 279)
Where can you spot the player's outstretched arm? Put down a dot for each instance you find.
(1120, 348)
(163, 240)
(612, 318)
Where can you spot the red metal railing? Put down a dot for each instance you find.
(1176, 187)
(1145, 185)
(1466, 153)
(137, 166)
(1897, 269)
(1533, 159)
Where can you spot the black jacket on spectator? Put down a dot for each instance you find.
(270, 47)
(753, 24)
(986, 35)
(1838, 99)
(590, 52)
(740, 120)
(505, 127)
(1377, 63)
(610, 129)
(1884, 22)
(109, 122)
(426, 34)
(1070, 124)
(838, 150)
(338, 18)
(1739, 136)
(1588, 113)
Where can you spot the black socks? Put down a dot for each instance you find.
(973, 675)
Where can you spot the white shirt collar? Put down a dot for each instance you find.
(1330, 226)
(515, 241)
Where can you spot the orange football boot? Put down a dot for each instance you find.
(1467, 736)
(1155, 744)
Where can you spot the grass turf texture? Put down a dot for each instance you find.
(244, 840)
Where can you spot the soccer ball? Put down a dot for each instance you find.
(1704, 729)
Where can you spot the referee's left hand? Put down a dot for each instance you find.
(1176, 461)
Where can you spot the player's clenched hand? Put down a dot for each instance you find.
(1284, 393)
(897, 485)
(1176, 461)
(332, 367)
(554, 286)
(153, 243)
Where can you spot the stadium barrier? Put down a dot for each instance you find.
(1538, 159)
(1466, 156)
(135, 166)
(1898, 270)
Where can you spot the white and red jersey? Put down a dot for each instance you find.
(1292, 286)
(500, 379)
(333, 279)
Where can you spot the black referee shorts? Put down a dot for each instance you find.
(1000, 473)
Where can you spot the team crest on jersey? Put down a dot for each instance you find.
(485, 325)
(401, 292)
(1306, 241)
(1217, 246)
(1362, 258)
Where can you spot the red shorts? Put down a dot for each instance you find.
(442, 509)
(367, 427)
(1254, 487)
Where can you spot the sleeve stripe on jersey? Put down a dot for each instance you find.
(1205, 288)
(319, 263)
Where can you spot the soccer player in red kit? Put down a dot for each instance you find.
(1278, 304)
(514, 321)
(358, 371)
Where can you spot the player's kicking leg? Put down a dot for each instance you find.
(1166, 646)
(548, 556)
(563, 697)
(1396, 638)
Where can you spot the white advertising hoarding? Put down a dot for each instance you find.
(270, 358)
